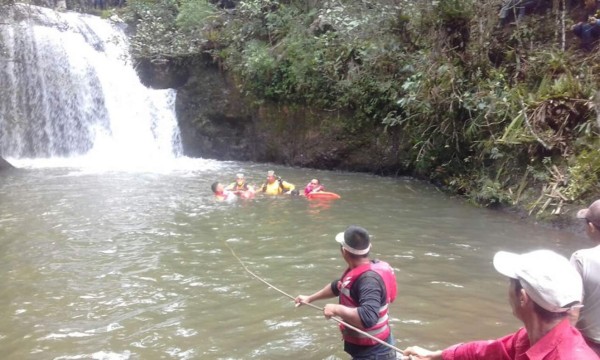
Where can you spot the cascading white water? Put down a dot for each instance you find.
(68, 89)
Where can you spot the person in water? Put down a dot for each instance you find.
(365, 290)
(220, 193)
(276, 186)
(587, 263)
(313, 186)
(239, 186)
(543, 287)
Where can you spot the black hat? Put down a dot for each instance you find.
(355, 240)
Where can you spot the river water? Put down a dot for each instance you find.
(139, 264)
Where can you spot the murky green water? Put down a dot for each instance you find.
(137, 265)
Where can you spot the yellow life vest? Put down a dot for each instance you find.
(277, 187)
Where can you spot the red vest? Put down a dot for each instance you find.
(381, 329)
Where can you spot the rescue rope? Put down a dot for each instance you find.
(316, 307)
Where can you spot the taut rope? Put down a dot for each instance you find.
(314, 306)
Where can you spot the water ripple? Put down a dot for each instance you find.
(138, 265)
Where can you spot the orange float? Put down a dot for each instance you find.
(323, 195)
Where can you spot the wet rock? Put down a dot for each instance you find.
(5, 165)
(163, 73)
(218, 121)
(215, 120)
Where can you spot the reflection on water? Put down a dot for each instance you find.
(135, 265)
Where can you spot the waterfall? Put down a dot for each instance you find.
(68, 89)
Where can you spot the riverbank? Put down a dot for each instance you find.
(503, 115)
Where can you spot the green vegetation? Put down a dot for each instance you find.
(503, 115)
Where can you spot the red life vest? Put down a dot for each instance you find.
(381, 329)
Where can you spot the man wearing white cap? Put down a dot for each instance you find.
(543, 288)
(365, 291)
(587, 263)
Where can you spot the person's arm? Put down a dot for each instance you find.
(420, 353)
(315, 189)
(261, 188)
(578, 265)
(577, 262)
(370, 291)
(307, 189)
(288, 187)
(503, 348)
(347, 314)
(325, 293)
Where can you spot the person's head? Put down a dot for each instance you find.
(271, 176)
(239, 178)
(315, 182)
(216, 187)
(355, 242)
(542, 283)
(591, 215)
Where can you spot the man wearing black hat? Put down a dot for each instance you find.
(587, 263)
(365, 291)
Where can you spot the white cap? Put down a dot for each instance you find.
(547, 277)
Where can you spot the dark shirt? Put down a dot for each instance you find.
(368, 291)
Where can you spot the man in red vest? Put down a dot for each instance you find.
(365, 291)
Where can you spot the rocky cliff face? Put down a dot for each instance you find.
(214, 119)
(217, 121)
